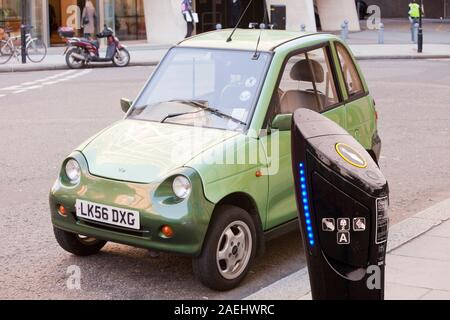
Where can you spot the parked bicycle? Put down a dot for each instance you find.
(35, 48)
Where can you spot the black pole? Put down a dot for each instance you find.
(23, 31)
(420, 34)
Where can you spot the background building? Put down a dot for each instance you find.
(434, 9)
(126, 17)
(161, 21)
(165, 24)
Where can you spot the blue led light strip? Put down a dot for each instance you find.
(305, 202)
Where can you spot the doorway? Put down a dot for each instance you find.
(65, 13)
(227, 13)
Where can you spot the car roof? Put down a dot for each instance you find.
(245, 39)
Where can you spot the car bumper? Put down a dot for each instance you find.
(189, 219)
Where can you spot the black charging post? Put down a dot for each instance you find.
(342, 200)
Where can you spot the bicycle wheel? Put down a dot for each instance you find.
(6, 52)
(36, 50)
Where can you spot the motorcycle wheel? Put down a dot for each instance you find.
(72, 62)
(121, 58)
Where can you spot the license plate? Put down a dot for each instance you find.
(107, 214)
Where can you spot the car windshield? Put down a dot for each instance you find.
(203, 87)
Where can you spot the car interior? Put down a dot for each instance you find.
(307, 82)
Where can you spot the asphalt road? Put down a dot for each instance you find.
(44, 115)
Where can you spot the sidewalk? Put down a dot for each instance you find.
(398, 31)
(417, 262)
(150, 55)
(141, 55)
(397, 45)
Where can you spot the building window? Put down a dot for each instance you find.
(129, 19)
(10, 16)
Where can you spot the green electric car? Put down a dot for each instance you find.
(201, 165)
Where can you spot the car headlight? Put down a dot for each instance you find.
(181, 186)
(73, 171)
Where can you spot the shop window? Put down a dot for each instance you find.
(67, 13)
(9, 16)
(129, 19)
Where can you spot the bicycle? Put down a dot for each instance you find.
(35, 49)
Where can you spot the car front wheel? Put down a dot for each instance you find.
(228, 251)
(77, 244)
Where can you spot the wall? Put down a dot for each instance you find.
(399, 8)
(298, 12)
(164, 22)
(333, 13)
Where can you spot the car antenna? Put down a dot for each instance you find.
(256, 55)
(230, 38)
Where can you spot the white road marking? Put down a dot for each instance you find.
(49, 82)
(57, 78)
(11, 88)
(2, 95)
(33, 87)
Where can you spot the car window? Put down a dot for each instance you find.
(308, 82)
(226, 80)
(350, 73)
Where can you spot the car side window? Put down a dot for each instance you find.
(349, 71)
(308, 82)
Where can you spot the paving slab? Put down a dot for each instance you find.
(441, 231)
(417, 264)
(395, 291)
(436, 295)
(426, 247)
(417, 272)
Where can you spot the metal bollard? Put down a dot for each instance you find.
(23, 43)
(344, 30)
(218, 26)
(415, 32)
(381, 33)
(303, 27)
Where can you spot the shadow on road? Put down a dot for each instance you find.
(130, 273)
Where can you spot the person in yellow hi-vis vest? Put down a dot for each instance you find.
(414, 12)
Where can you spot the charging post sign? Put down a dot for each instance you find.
(342, 200)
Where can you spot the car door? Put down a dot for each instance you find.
(307, 81)
(359, 105)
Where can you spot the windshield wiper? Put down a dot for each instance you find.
(202, 104)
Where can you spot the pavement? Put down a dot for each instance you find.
(141, 55)
(364, 44)
(417, 262)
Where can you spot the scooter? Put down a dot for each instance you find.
(81, 51)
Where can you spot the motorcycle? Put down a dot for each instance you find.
(81, 51)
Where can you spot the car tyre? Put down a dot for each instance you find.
(77, 244)
(228, 251)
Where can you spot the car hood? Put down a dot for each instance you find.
(144, 151)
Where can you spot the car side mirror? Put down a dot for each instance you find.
(282, 122)
(125, 104)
